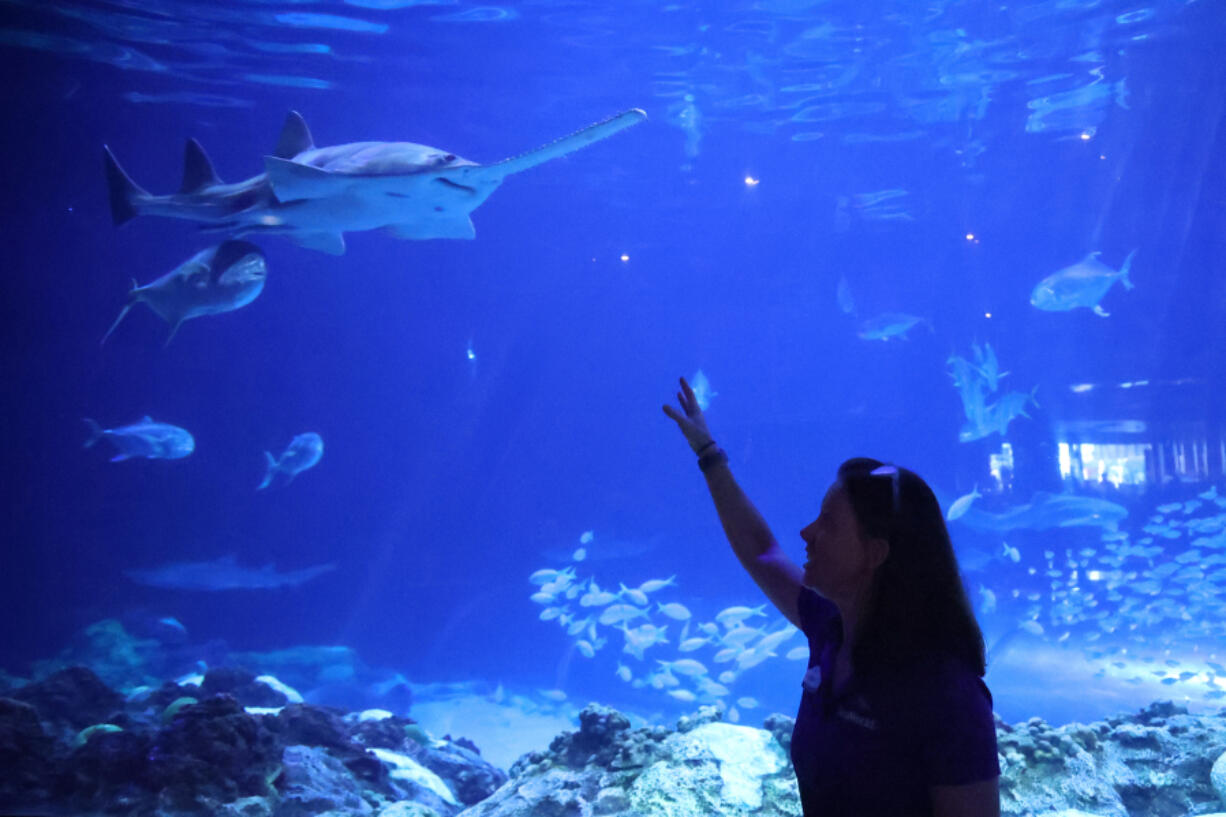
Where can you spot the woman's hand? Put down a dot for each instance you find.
(690, 420)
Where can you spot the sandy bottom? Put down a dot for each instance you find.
(503, 730)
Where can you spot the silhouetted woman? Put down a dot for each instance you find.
(894, 719)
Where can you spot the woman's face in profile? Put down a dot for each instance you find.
(836, 557)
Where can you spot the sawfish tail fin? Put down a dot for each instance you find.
(96, 432)
(1124, 270)
(133, 297)
(125, 194)
(571, 143)
(271, 463)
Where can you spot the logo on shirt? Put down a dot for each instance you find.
(862, 718)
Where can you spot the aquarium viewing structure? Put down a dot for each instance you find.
(338, 483)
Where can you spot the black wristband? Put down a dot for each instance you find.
(709, 460)
(704, 447)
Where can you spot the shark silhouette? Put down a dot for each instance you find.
(314, 195)
(222, 574)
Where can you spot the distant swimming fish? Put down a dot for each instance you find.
(144, 438)
(222, 574)
(847, 304)
(219, 279)
(685, 115)
(1082, 284)
(883, 205)
(702, 390)
(962, 504)
(987, 366)
(303, 452)
(995, 418)
(1046, 510)
(890, 325)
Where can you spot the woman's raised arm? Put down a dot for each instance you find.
(747, 532)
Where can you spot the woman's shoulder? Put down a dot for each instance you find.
(943, 681)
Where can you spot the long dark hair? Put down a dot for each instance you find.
(918, 608)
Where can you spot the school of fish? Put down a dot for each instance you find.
(661, 644)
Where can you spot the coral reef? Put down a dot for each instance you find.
(704, 766)
(69, 744)
(1161, 761)
(233, 743)
(1155, 762)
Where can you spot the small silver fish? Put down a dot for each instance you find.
(303, 452)
(1082, 284)
(890, 325)
(702, 390)
(219, 279)
(144, 438)
(847, 304)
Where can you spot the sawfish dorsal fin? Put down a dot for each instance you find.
(227, 255)
(198, 171)
(295, 137)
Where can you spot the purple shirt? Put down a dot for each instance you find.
(873, 749)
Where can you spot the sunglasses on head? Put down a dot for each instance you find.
(891, 472)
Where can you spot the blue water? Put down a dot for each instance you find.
(485, 403)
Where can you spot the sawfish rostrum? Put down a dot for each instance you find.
(314, 195)
(220, 279)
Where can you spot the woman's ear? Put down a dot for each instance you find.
(878, 549)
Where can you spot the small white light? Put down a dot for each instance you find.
(970, 236)
(987, 314)
(750, 181)
(625, 257)
(1102, 156)
(1085, 135)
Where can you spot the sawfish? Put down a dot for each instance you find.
(314, 195)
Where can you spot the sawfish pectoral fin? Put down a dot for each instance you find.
(331, 243)
(458, 227)
(292, 181)
(571, 143)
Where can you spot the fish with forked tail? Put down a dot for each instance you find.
(219, 279)
(144, 438)
(303, 452)
(1082, 284)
